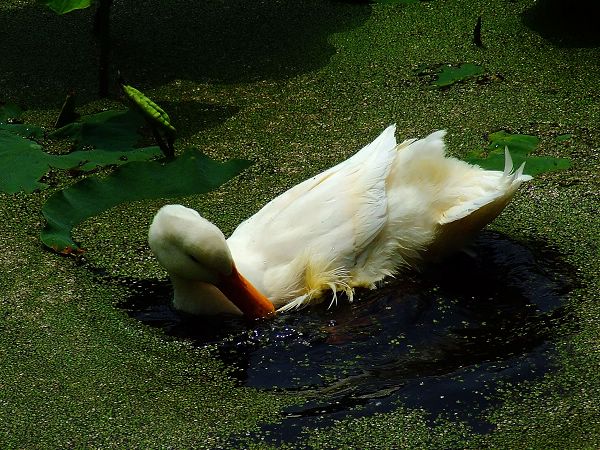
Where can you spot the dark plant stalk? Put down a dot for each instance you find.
(477, 34)
(67, 112)
(166, 147)
(102, 35)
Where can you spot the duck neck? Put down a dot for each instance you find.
(200, 298)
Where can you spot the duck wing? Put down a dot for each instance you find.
(325, 220)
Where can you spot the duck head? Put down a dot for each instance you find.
(195, 254)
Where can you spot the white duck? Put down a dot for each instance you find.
(386, 208)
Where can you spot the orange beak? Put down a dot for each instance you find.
(246, 297)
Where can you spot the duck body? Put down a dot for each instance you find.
(386, 208)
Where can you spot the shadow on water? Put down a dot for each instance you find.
(231, 41)
(441, 340)
(565, 23)
(155, 42)
(192, 116)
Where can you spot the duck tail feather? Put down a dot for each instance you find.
(508, 163)
(520, 175)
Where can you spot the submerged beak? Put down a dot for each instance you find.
(246, 297)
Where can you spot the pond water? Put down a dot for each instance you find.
(441, 340)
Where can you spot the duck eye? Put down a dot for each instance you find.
(193, 258)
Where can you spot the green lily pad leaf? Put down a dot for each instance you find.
(150, 110)
(519, 146)
(534, 165)
(539, 164)
(65, 6)
(23, 163)
(108, 130)
(191, 173)
(27, 162)
(448, 75)
(9, 112)
(23, 130)
(89, 160)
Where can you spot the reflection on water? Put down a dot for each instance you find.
(440, 340)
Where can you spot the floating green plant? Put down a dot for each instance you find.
(448, 75)
(519, 146)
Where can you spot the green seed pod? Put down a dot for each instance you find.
(149, 109)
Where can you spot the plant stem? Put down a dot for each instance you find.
(102, 35)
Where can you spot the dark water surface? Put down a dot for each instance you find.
(441, 340)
